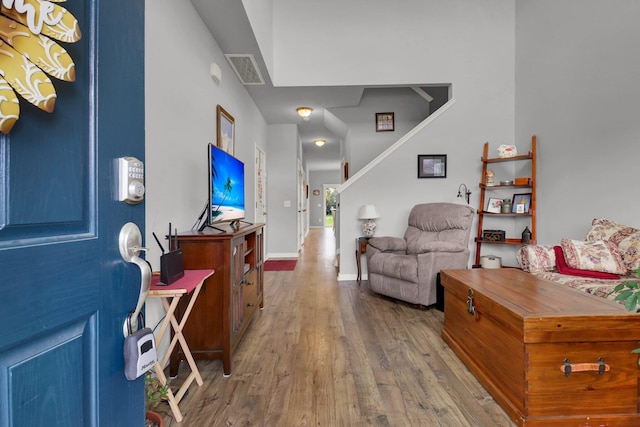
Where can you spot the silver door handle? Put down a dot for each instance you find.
(130, 243)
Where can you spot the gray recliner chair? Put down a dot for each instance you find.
(436, 238)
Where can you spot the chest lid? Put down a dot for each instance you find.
(543, 310)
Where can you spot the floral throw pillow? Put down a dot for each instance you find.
(536, 259)
(630, 250)
(626, 238)
(599, 255)
(603, 229)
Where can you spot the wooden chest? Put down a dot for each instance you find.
(548, 354)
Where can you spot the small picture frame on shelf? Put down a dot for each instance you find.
(494, 205)
(521, 203)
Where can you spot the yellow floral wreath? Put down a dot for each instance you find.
(27, 52)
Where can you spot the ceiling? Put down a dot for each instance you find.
(334, 107)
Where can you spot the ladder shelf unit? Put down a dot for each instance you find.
(484, 188)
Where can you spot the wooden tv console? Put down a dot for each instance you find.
(548, 354)
(229, 298)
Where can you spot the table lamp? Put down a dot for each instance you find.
(368, 213)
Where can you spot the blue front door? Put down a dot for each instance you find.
(64, 288)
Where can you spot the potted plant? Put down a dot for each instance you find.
(629, 292)
(154, 391)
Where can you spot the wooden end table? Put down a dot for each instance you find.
(361, 248)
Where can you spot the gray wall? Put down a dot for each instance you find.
(181, 99)
(474, 49)
(365, 143)
(281, 232)
(577, 90)
(467, 43)
(577, 74)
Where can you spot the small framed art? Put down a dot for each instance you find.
(226, 130)
(385, 122)
(432, 165)
(494, 205)
(521, 203)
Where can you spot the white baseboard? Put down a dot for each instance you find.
(350, 277)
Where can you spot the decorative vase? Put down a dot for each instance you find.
(526, 235)
(368, 228)
(506, 206)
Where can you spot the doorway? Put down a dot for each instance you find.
(330, 204)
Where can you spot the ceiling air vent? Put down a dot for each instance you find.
(246, 68)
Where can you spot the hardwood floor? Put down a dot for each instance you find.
(328, 353)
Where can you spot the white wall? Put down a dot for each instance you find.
(180, 121)
(181, 101)
(466, 43)
(365, 42)
(281, 188)
(260, 13)
(577, 74)
(577, 90)
(366, 144)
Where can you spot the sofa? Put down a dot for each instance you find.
(608, 256)
(436, 238)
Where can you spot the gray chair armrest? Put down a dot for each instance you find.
(389, 244)
(421, 247)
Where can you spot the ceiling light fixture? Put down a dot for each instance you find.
(304, 112)
(319, 142)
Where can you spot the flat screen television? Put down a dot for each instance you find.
(226, 187)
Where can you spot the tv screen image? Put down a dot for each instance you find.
(226, 186)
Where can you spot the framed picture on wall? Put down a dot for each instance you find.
(432, 165)
(226, 130)
(385, 122)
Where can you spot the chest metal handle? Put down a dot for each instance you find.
(471, 309)
(599, 367)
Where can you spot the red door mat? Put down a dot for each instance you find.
(280, 264)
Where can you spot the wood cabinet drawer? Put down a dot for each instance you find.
(250, 295)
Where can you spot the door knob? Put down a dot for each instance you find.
(130, 244)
